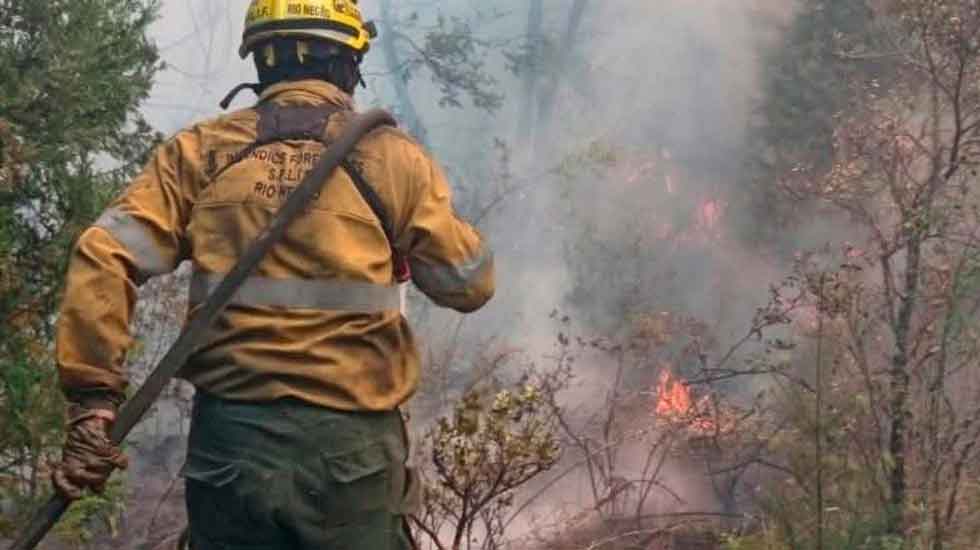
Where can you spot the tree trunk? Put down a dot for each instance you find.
(899, 381)
(546, 102)
(528, 117)
(406, 107)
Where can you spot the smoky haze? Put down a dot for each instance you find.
(619, 181)
(614, 200)
(668, 85)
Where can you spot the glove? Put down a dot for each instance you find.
(88, 457)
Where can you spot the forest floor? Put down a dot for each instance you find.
(154, 516)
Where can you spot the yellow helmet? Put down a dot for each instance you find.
(334, 20)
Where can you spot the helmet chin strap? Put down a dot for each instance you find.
(255, 87)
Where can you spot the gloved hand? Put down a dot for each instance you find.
(88, 457)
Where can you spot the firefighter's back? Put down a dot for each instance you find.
(320, 319)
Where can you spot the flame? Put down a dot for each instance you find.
(676, 405)
(673, 396)
(707, 213)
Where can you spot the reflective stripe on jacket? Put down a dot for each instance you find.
(319, 320)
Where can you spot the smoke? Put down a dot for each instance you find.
(619, 200)
(629, 209)
(643, 141)
(667, 85)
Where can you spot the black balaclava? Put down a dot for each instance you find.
(322, 60)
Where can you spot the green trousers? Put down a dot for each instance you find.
(290, 476)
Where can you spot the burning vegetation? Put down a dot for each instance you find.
(675, 405)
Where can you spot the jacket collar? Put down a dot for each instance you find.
(307, 91)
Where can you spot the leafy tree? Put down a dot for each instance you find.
(72, 76)
(904, 172)
(806, 81)
(449, 50)
(889, 411)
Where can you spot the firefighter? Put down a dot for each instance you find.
(296, 440)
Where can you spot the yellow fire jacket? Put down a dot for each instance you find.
(319, 320)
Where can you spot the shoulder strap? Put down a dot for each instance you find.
(370, 197)
(278, 123)
(402, 271)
